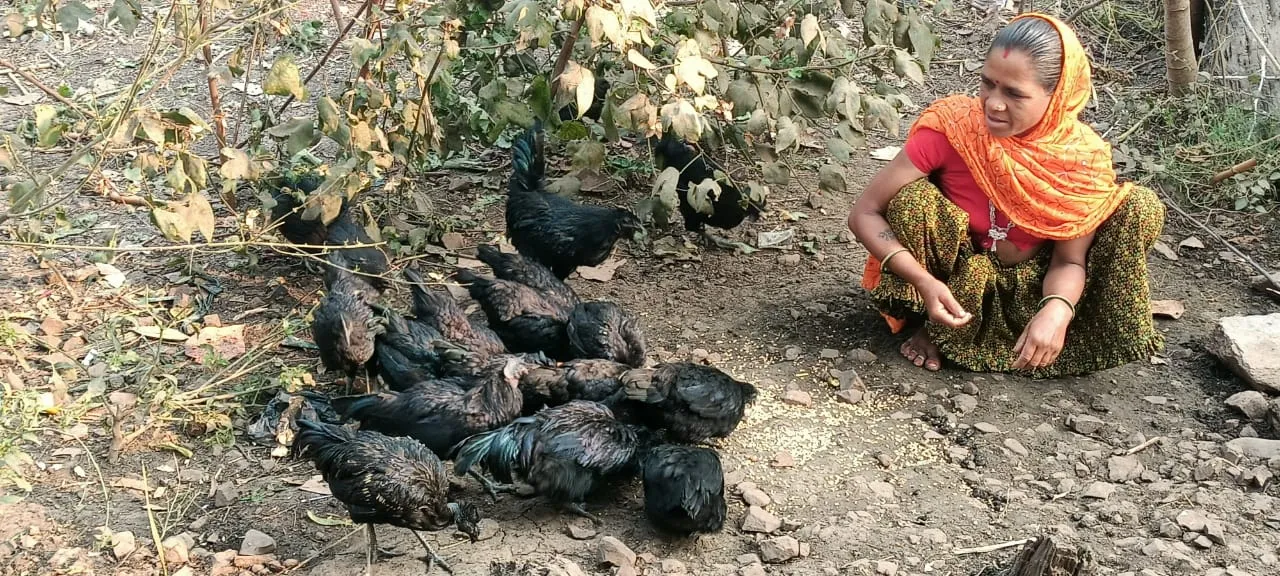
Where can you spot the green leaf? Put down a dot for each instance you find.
(831, 179)
(776, 173)
(878, 22)
(516, 113)
(284, 79)
(905, 66)
(879, 112)
(48, 129)
(540, 99)
(852, 135)
(362, 51)
(71, 13)
(299, 134)
(567, 185)
(328, 520)
(743, 95)
(26, 195)
(178, 180)
(703, 195)
(195, 168)
(608, 121)
(652, 209)
(587, 155)
(923, 40)
(758, 124)
(187, 117)
(788, 134)
(664, 187)
(840, 149)
(124, 12)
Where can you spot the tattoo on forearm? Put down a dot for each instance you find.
(887, 234)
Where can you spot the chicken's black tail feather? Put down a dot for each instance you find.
(527, 160)
(673, 152)
(314, 438)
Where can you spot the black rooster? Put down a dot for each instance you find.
(526, 318)
(384, 480)
(728, 210)
(684, 489)
(604, 330)
(441, 412)
(344, 325)
(594, 380)
(370, 261)
(556, 231)
(690, 401)
(440, 311)
(409, 352)
(563, 452)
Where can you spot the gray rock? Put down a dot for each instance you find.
(861, 356)
(256, 543)
(934, 535)
(779, 550)
(797, 398)
(225, 495)
(123, 544)
(970, 388)
(177, 549)
(1249, 346)
(614, 553)
(1099, 491)
(752, 570)
(747, 559)
(1124, 468)
(848, 379)
(1251, 403)
(886, 568)
(1193, 520)
(581, 531)
(986, 428)
(850, 396)
(1155, 548)
(1169, 529)
(828, 353)
(791, 353)
(1016, 447)
(672, 566)
(1261, 448)
(756, 497)
(1216, 532)
(761, 521)
(964, 403)
(1084, 424)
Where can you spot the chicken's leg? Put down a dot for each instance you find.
(577, 509)
(432, 557)
(490, 486)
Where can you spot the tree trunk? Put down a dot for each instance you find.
(1242, 47)
(1179, 53)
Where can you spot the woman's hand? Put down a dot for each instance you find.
(942, 306)
(1043, 338)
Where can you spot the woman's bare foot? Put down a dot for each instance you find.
(921, 351)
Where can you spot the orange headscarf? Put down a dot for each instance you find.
(1055, 182)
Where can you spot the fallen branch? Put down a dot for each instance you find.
(1265, 274)
(1240, 168)
(1143, 446)
(992, 547)
(29, 77)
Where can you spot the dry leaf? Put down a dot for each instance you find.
(602, 273)
(886, 154)
(131, 484)
(316, 485)
(1168, 308)
(469, 263)
(113, 275)
(154, 332)
(1165, 251)
(226, 341)
(327, 520)
(1191, 242)
(25, 99)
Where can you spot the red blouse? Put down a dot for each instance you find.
(932, 154)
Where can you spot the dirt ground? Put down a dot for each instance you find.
(894, 484)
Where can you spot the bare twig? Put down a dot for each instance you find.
(1240, 168)
(1081, 10)
(29, 77)
(337, 13)
(215, 97)
(327, 54)
(566, 50)
(1143, 446)
(1265, 274)
(992, 547)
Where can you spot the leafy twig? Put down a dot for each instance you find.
(566, 50)
(327, 54)
(29, 77)
(423, 100)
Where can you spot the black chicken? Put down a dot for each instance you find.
(591, 379)
(604, 330)
(440, 311)
(441, 412)
(527, 319)
(370, 261)
(344, 325)
(563, 452)
(384, 480)
(556, 231)
(728, 210)
(683, 489)
(409, 352)
(690, 401)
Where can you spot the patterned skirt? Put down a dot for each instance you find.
(1113, 324)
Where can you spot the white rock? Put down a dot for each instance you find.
(779, 550)
(1261, 448)
(256, 543)
(1251, 403)
(1099, 490)
(760, 520)
(614, 553)
(1250, 347)
(123, 544)
(1124, 468)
